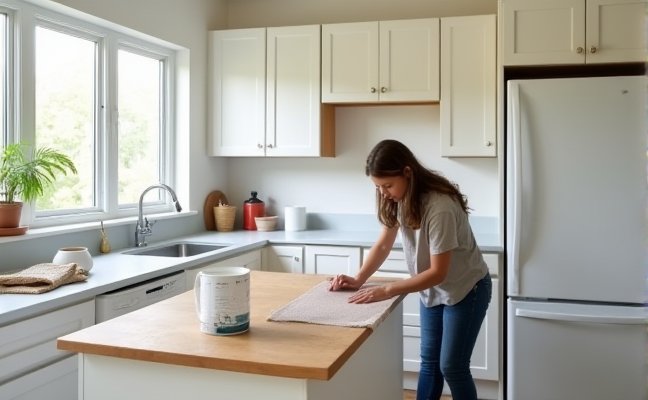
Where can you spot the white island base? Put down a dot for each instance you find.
(374, 372)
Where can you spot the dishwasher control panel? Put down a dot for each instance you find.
(133, 297)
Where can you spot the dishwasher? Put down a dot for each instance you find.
(130, 298)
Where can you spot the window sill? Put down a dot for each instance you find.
(34, 233)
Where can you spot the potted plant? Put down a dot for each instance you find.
(24, 174)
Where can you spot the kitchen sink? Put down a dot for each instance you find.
(180, 249)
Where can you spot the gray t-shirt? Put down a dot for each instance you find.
(444, 227)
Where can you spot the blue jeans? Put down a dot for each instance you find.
(448, 335)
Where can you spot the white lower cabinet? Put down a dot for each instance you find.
(251, 260)
(332, 260)
(283, 259)
(484, 363)
(31, 367)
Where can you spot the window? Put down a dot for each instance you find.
(140, 119)
(103, 97)
(65, 94)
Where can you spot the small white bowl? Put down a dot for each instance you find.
(265, 224)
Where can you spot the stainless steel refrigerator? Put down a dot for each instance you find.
(576, 193)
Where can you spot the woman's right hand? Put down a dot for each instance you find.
(344, 282)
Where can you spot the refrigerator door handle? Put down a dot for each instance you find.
(597, 319)
(515, 221)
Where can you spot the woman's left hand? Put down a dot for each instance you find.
(369, 295)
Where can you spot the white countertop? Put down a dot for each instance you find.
(116, 270)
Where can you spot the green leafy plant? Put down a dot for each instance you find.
(25, 172)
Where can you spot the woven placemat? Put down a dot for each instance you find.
(322, 306)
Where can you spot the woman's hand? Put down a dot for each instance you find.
(370, 294)
(344, 282)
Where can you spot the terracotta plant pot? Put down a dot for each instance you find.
(10, 214)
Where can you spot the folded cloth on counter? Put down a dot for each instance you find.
(42, 278)
(324, 307)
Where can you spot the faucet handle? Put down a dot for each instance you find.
(148, 224)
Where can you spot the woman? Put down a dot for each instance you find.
(445, 264)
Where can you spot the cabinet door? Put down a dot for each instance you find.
(293, 91)
(468, 86)
(543, 32)
(251, 260)
(283, 259)
(237, 92)
(484, 363)
(31, 343)
(616, 31)
(409, 60)
(332, 260)
(350, 62)
(55, 381)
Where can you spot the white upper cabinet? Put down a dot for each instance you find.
(386, 61)
(266, 93)
(573, 31)
(237, 106)
(468, 86)
(293, 91)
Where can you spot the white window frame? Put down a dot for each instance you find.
(110, 38)
(11, 100)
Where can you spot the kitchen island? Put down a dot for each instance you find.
(159, 352)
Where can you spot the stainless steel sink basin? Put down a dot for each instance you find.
(181, 249)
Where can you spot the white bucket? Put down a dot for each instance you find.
(223, 300)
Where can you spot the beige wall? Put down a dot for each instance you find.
(254, 13)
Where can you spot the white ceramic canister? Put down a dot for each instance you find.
(295, 218)
(223, 300)
(79, 255)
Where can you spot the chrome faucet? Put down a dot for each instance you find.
(143, 228)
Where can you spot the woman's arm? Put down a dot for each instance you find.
(377, 255)
(439, 264)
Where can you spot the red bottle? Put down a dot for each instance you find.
(252, 207)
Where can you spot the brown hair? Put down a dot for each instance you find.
(389, 158)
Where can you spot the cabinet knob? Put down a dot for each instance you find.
(383, 89)
(488, 143)
(259, 145)
(579, 50)
(593, 49)
(373, 90)
(297, 259)
(270, 146)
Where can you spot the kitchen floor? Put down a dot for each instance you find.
(411, 395)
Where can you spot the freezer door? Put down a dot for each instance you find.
(576, 189)
(560, 351)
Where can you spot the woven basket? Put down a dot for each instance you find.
(224, 216)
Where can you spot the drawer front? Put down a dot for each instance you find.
(56, 381)
(30, 344)
(395, 262)
(492, 260)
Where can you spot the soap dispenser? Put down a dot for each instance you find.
(252, 208)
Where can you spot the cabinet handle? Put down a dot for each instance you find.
(579, 50)
(593, 49)
(383, 89)
(373, 90)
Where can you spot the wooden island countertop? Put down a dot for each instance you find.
(168, 332)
